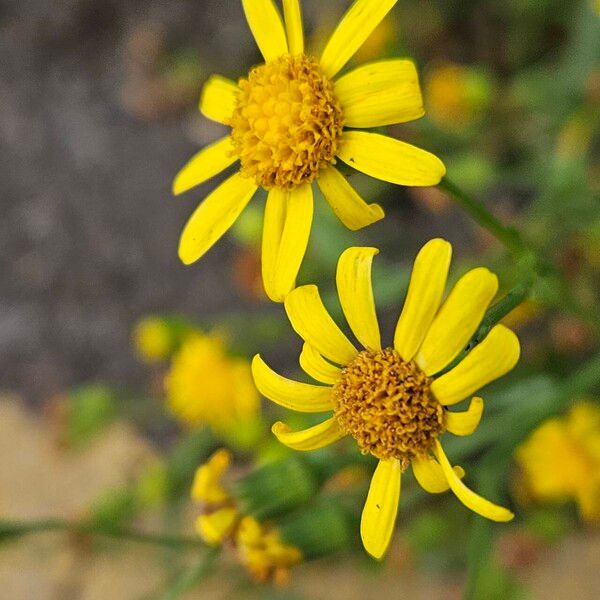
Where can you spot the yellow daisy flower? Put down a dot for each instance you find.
(394, 400)
(289, 120)
(207, 386)
(561, 460)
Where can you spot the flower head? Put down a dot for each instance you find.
(561, 460)
(258, 546)
(288, 122)
(206, 385)
(152, 339)
(394, 401)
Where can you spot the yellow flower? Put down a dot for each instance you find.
(263, 553)
(219, 517)
(207, 386)
(152, 339)
(393, 400)
(287, 120)
(561, 460)
(456, 94)
(258, 546)
(208, 481)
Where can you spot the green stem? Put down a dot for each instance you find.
(530, 260)
(509, 236)
(10, 529)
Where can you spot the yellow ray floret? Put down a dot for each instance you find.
(218, 99)
(317, 367)
(495, 356)
(430, 475)
(313, 438)
(314, 325)
(425, 293)
(469, 498)
(381, 507)
(457, 320)
(465, 423)
(352, 32)
(380, 93)
(356, 295)
(302, 397)
(266, 26)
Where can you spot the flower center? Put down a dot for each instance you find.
(287, 122)
(385, 404)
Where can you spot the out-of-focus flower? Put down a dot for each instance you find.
(263, 553)
(392, 400)
(258, 546)
(288, 119)
(208, 482)
(457, 95)
(205, 385)
(561, 460)
(378, 42)
(153, 339)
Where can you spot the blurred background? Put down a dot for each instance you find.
(101, 326)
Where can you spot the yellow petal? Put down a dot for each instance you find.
(317, 367)
(210, 161)
(313, 438)
(345, 202)
(356, 295)
(215, 526)
(379, 514)
(288, 219)
(469, 498)
(352, 31)
(274, 222)
(430, 476)
(492, 358)
(425, 292)
(380, 93)
(457, 320)
(390, 160)
(465, 423)
(215, 216)
(294, 395)
(266, 26)
(314, 325)
(218, 99)
(293, 25)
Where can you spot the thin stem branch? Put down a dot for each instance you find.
(510, 237)
(19, 529)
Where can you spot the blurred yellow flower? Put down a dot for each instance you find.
(287, 120)
(393, 400)
(561, 460)
(378, 42)
(205, 385)
(456, 94)
(208, 482)
(152, 339)
(263, 553)
(258, 546)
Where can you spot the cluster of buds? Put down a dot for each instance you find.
(258, 546)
